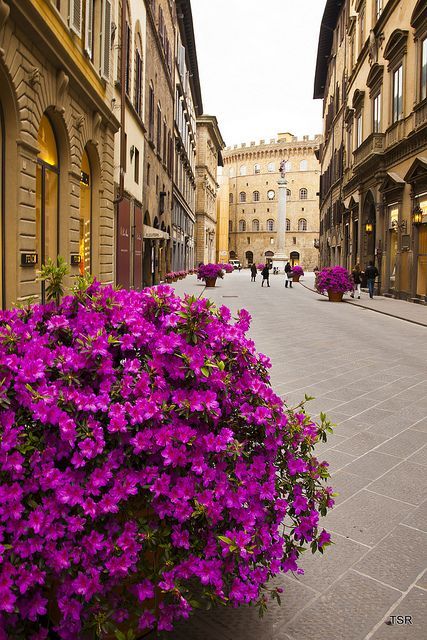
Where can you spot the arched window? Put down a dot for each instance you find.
(257, 169)
(243, 170)
(138, 76)
(230, 198)
(303, 194)
(128, 49)
(255, 225)
(242, 225)
(288, 166)
(270, 225)
(47, 181)
(242, 196)
(85, 239)
(303, 165)
(230, 226)
(288, 193)
(271, 167)
(302, 224)
(255, 196)
(288, 224)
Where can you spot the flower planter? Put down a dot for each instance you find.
(296, 277)
(335, 296)
(210, 282)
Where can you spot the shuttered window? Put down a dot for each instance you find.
(75, 16)
(105, 39)
(89, 15)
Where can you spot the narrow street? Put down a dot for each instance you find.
(369, 373)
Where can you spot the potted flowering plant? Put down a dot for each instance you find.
(146, 466)
(335, 280)
(297, 272)
(209, 273)
(227, 267)
(260, 266)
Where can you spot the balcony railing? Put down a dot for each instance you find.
(372, 146)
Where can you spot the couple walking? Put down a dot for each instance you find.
(371, 272)
(265, 275)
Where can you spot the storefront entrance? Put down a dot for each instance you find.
(47, 197)
(85, 240)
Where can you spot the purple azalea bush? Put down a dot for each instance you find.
(260, 266)
(337, 279)
(228, 268)
(210, 271)
(146, 466)
(297, 270)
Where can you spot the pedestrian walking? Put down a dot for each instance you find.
(265, 276)
(253, 272)
(357, 274)
(288, 275)
(371, 272)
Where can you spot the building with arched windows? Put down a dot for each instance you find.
(250, 176)
(371, 74)
(57, 128)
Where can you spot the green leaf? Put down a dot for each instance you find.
(205, 372)
(225, 539)
(119, 635)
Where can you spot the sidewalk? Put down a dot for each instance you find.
(408, 311)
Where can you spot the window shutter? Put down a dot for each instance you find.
(89, 28)
(75, 16)
(105, 39)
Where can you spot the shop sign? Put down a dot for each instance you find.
(75, 258)
(29, 259)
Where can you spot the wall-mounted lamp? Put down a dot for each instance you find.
(417, 215)
(369, 227)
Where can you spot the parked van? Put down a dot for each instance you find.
(236, 264)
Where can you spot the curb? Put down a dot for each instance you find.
(362, 306)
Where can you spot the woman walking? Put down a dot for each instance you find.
(253, 272)
(357, 279)
(265, 276)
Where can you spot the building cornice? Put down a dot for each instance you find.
(185, 23)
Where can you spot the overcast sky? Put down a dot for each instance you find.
(256, 62)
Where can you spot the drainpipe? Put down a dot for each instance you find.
(123, 61)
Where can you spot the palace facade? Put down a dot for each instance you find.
(250, 174)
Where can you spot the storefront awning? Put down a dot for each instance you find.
(150, 233)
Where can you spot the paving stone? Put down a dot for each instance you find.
(398, 559)
(346, 484)
(372, 416)
(366, 517)
(351, 427)
(421, 425)
(403, 444)
(360, 443)
(372, 465)
(420, 456)
(407, 482)
(333, 440)
(320, 571)
(347, 611)
(417, 517)
(336, 459)
(414, 604)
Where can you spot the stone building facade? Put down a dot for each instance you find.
(188, 105)
(159, 138)
(209, 147)
(57, 131)
(371, 74)
(252, 172)
(222, 218)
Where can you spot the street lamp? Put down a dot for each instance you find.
(369, 227)
(417, 215)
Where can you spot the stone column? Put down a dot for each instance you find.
(280, 258)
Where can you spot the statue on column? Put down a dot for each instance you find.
(282, 169)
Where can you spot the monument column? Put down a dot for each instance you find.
(280, 258)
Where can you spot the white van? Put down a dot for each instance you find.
(236, 264)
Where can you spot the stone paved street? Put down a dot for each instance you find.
(369, 373)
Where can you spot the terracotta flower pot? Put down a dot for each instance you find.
(296, 277)
(335, 296)
(210, 282)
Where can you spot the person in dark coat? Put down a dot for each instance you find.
(288, 275)
(357, 279)
(265, 276)
(371, 272)
(253, 272)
